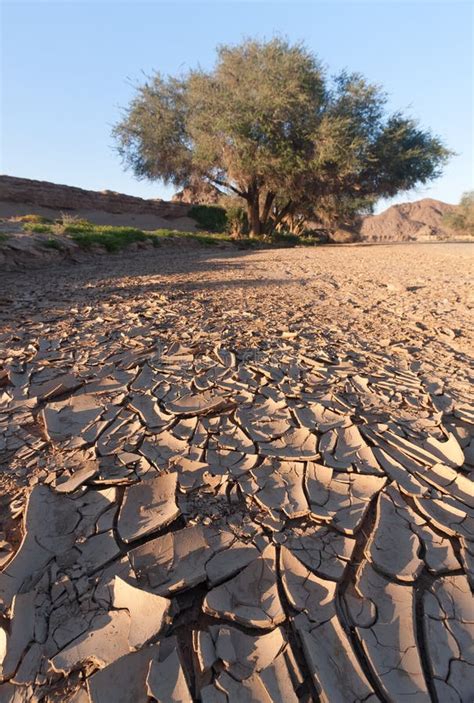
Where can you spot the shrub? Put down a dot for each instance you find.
(286, 238)
(462, 219)
(209, 217)
(237, 221)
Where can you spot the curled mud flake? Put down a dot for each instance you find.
(198, 404)
(124, 681)
(449, 451)
(147, 506)
(97, 551)
(166, 681)
(447, 514)
(296, 444)
(323, 550)
(48, 531)
(14, 644)
(397, 473)
(102, 644)
(315, 416)
(305, 591)
(280, 487)
(244, 654)
(148, 611)
(124, 430)
(449, 629)
(332, 663)
(265, 419)
(152, 416)
(71, 418)
(340, 499)
(82, 473)
(54, 387)
(390, 643)
(451, 482)
(393, 546)
(223, 460)
(467, 558)
(165, 447)
(180, 560)
(251, 598)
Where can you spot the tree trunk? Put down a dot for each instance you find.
(267, 205)
(284, 212)
(253, 210)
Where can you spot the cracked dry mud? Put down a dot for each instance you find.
(235, 477)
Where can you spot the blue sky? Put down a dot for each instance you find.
(67, 67)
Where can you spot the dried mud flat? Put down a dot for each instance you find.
(239, 477)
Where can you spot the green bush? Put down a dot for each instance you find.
(209, 217)
(237, 221)
(462, 219)
(286, 238)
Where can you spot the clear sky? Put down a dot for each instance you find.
(68, 67)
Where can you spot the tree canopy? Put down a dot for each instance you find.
(462, 219)
(268, 125)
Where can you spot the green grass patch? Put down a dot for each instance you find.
(111, 238)
(115, 239)
(38, 228)
(206, 238)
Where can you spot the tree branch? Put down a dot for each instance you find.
(283, 212)
(269, 198)
(223, 184)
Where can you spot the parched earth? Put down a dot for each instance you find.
(242, 476)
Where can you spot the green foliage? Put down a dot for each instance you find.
(266, 124)
(3, 238)
(113, 239)
(212, 218)
(462, 219)
(288, 239)
(237, 221)
(38, 228)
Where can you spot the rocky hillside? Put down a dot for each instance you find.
(420, 220)
(43, 194)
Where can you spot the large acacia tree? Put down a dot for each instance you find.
(267, 125)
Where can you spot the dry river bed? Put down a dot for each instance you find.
(239, 476)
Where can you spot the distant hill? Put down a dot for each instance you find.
(421, 220)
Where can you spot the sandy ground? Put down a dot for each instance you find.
(239, 476)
